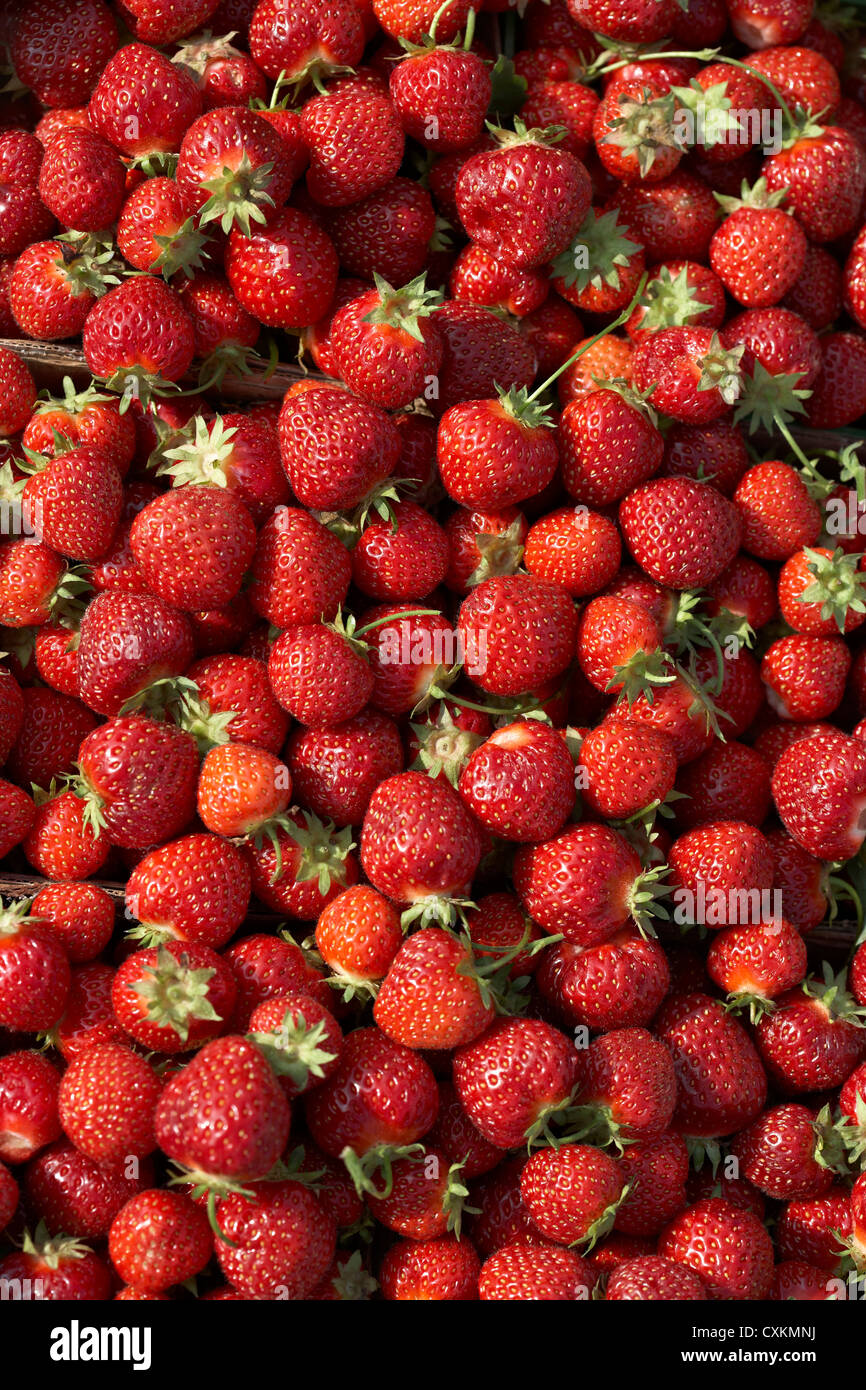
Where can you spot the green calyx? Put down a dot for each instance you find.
(181, 252)
(501, 553)
(455, 1199)
(703, 1150)
(852, 1132)
(669, 301)
(67, 603)
(203, 457)
(720, 370)
(641, 674)
(599, 251)
(53, 1251)
(14, 915)
(195, 54)
(593, 1122)
(295, 1049)
(443, 747)
(238, 196)
(213, 1188)
(491, 971)
(838, 585)
(838, 1144)
(373, 1171)
(520, 405)
(232, 359)
(160, 697)
(194, 715)
(645, 899)
(89, 264)
(757, 1006)
(541, 1133)
(831, 991)
(136, 383)
(520, 135)
(602, 1224)
(756, 195)
(353, 1283)
(323, 851)
(436, 910)
(713, 106)
(174, 993)
(644, 126)
(403, 308)
(800, 125)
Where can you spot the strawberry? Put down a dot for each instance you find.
(79, 915)
(386, 345)
(534, 1271)
(579, 550)
(18, 392)
(651, 1278)
(455, 1134)
(88, 1019)
(482, 545)
(822, 169)
(402, 558)
(817, 295)
(193, 889)
(779, 517)
(616, 984)
(759, 250)
(62, 1268)
(296, 664)
(60, 843)
(233, 168)
(425, 1199)
(494, 453)
(481, 353)
(819, 592)
(730, 782)
(300, 1038)
(229, 1079)
(241, 789)
(276, 1241)
(814, 1038)
(567, 104)
(358, 935)
(518, 632)
(18, 813)
(502, 1218)
(809, 1228)
(762, 23)
(335, 448)
(12, 706)
(161, 22)
(840, 389)
(222, 328)
(300, 570)
(794, 1279)
(52, 286)
(355, 141)
(236, 453)
(571, 1193)
(82, 180)
(656, 1171)
(722, 1086)
(479, 278)
(155, 233)
(29, 1085)
(444, 1269)
(209, 523)
(673, 219)
(223, 75)
(552, 332)
(381, 1094)
(271, 967)
(24, 218)
(515, 1079)
(696, 379)
(713, 453)
(520, 783)
(83, 417)
(782, 342)
(69, 1192)
(628, 1089)
(412, 19)
(431, 996)
(139, 780)
(234, 702)
(129, 641)
(801, 880)
(630, 23)
(756, 963)
(336, 770)
(419, 845)
(137, 330)
(388, 232)
(678, 294)
(730, 1250)
(285, 273)
(819, 786)
(634, 132)
(300, 41)
(173, 997)
(614, 639)
(682, 533)
(729, 859)
(58, 54)
(159, 1238)
(623, 767)
(780, 1153)
(306, 865)
(107, 1099)
(441, 94)
(503, 198)
(805, 676)
(77, 498)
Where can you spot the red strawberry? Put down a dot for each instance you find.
(301, 1040)
(382, 1094)
(681, 532)
(608, 446)
(572, 1193)
(778, 514)
(193, 889)
(822, 170)
(136, 331)
(456, 1135)
(358, 935)
(759, 250)
(17, 813)
(194, 545)
(628, 1089)
(441, 95)
(138, 778)
(335, 448)
(82, 180)
(300, 571)
(159, 1238)
(780, 1153)
(34, 972)
(730, 860)
(520, 783)
(624, 766)
(814, 1038)
(236, 453)
(651, 1278)
(83, 417)
(142, 102)
(108, 1098)
(819, 786)
(62, 1268)
(58, 54)
(696, 379)
(729, 1249)
(515, 1079)
(479, 278)
(722, 1086)
(70, 1192)
(386, 345)
(713, 453)
(809, 1228)
(754, 964)
(29, 1085)
(336, 770)
(805, 676)
(234, 701)
(355, 142)
(494, 453)
(528, 1272)
(443, 1270)
(79, 915)
(88, 1019)
(401, 558)
(656, 1171)
(271, 967)
(298, 40)
(517, 632)
(388, 232)
(54, 728)
(277, 1241)
(241, 789)
(616, 984)
(224, 1115)
(129, 641)
(481, 353)
(431, 996)
(673, 219)
(840, 390)
(504, 197)
(306, 865)
(285, 273)
(298, 660)
(174, 997)
(412, 19)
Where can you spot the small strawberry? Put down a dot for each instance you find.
(61, 843)
(29, 1085)
(444, 1270)
(381, 1095)
(759, 249)
(495, 453)
(814, 1038)
(108, 1098)
(304, 866)
(781, 1153)
(755, 964)
(805, 676)
(300, 1038)
(276, 1240)
(159, 1238)
(285, 273)
(335, 447)
(138, 779)
(386, 345)
(651, 1278)
(70, 1192)
(777, 512)
(358, 935)
(173, 997)
(79, 915)
(572, 1193)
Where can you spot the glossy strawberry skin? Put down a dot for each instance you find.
(108, 1099)
(424, 1001)
(509, 1077)
(128, 641)
(722, 1081)
(29, 1085)
(195, 888)
(282, 1240)
(520, 783)
(72, 1193)
(159, 1238)
(729, 1249)
(141, 83)
(144, 776)
(418, 840)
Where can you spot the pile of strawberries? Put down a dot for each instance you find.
(432, 777)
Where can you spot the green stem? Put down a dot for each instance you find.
(621, 318)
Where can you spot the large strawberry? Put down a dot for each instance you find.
(722, 1084)
(193, 889)
(432, 995)
(729, 1249)
(382, 1094)
(108, 1098)
(128, 642)
(233, 168)
(516, 1079)
(193, 545)
(284, 273)
(819, 787)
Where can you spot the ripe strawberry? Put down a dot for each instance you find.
(809, 1228)
(69, 1192)
(223, 75)
(479, 278)
(82, 180)
(520, 783)
(137, 330)
(297, 660)
(616, 984)
(419, 845)
(481, 353)
(656, 1171)
(83, 417)
(730, 859)
(505, 203)
(443, 1270)
(814, 1038)
(515, 1079)
(805, 676)
(306, 865)
(241, 789)
(780, 1153)
(634, 133)
(300, 570)
(358, 935)
(804, 1283)
(623, 767)
(60, 1268)
(222, 328)
(58, 54)
(567, 104)
(60, 843)
(335, 448)
(336, 770)
(236, 453)
(578, 549)
(682, 533)
(819, 787)
(128, 642)
(300, 1039)
(107, 1099)
(285, 273)
(441, 95)
(386, 345)
(780, 341)
(628, 1089)
(431, 996)
(355, 141)
(502, 1218)
(193, 889)
(696, 379)
(34, 584)
(630, 23)
(759, 250)
(779, 517)
(24, 217)
(425, 1199)
(381, 1095)
(817, 295)
(673, 220)
(651, 1278)
(17, 391)
(800, 879)
(52, 287)
(713, 453)
(518, 632)
(302, 41)
(822, 169)
(234, 703)
(494, 453)
(840, 389)
(79, 915)
(388, 232)
(224, 1115)
(159, 1238)
(535, 1271)
(755, 963)
(234, 168)
(17, 813)
(401, 558)
(729, 1249)
(138, 778)
(572, 1193)
(277, 1241)
(11, 712)
(88, 1019)
(455, 1134)
(762, 23)
(722, 1086)
(271, 967)
(482, 545)
(174, 997)
(194, 545)
(29, 1085)
(78, 499)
